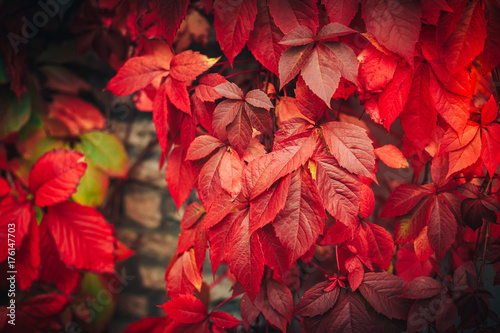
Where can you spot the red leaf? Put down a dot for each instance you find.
(249, 312)
(332, 31)
(395, 26)
(275, 255)
(280, 298)
(293, 152)
(265, 207)
(403, 198)
(489, 152)
(467, 39)
(391, 156)
(489, 112)
(148, 324)
(186, 66)
(382, 291)
(376, 68)
(465, 156)
(171, 13)
(290, 14)
(19, 212)
(199, 327)
(233, 22)
(409, 226)
(67, 110)
(4, 187)
(230, 90)
(264, 39)
(419, 116)
(209, 184)
(225, 112)
(451, 141)
(393, 99)
(82, 235)
(422, 287)
(423, 248)
(28, 257)
(260, 119)
(356, 271)
(348, 315)
(446, 315)
(442, 228)
(490, 57)
(332, 59)
(180, 175)
(221, 207)
(244, 255)
(319, 74)
(316, 301)
(223, 319)
(439, 169)
(219, 237)
(44, 305)
(258, 98)
(52, 268)
(137, 73)
(202, 146)
(408, 266)
(453, 108)
(231, 168)
(161, 109)
(182, 275)
(205, 89)
(191, 215)
(301, 221)
(341, 11)
(431, 9)
(351, 147)
(177, 94)
(339, 190)
(291, 61)
(299, 36)
(239, 132)
(337, 234)
(381, 245)
(367, 203)
(185, 309)
(55, 176)
(307, 102)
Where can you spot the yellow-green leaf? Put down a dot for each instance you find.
(92, 188)
(105, 151)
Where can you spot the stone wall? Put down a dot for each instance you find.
(149, 223)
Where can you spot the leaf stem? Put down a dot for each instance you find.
(320, 268)
(224, 302)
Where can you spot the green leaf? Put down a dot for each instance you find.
(15, 113)
(38, 214)
(3, 73)
(105, 151)
(92, 188)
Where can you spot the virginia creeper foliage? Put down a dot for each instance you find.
(322, 223)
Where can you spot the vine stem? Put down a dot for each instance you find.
(483, 257)
(234, 62)
(244, 72)
(485, 230)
